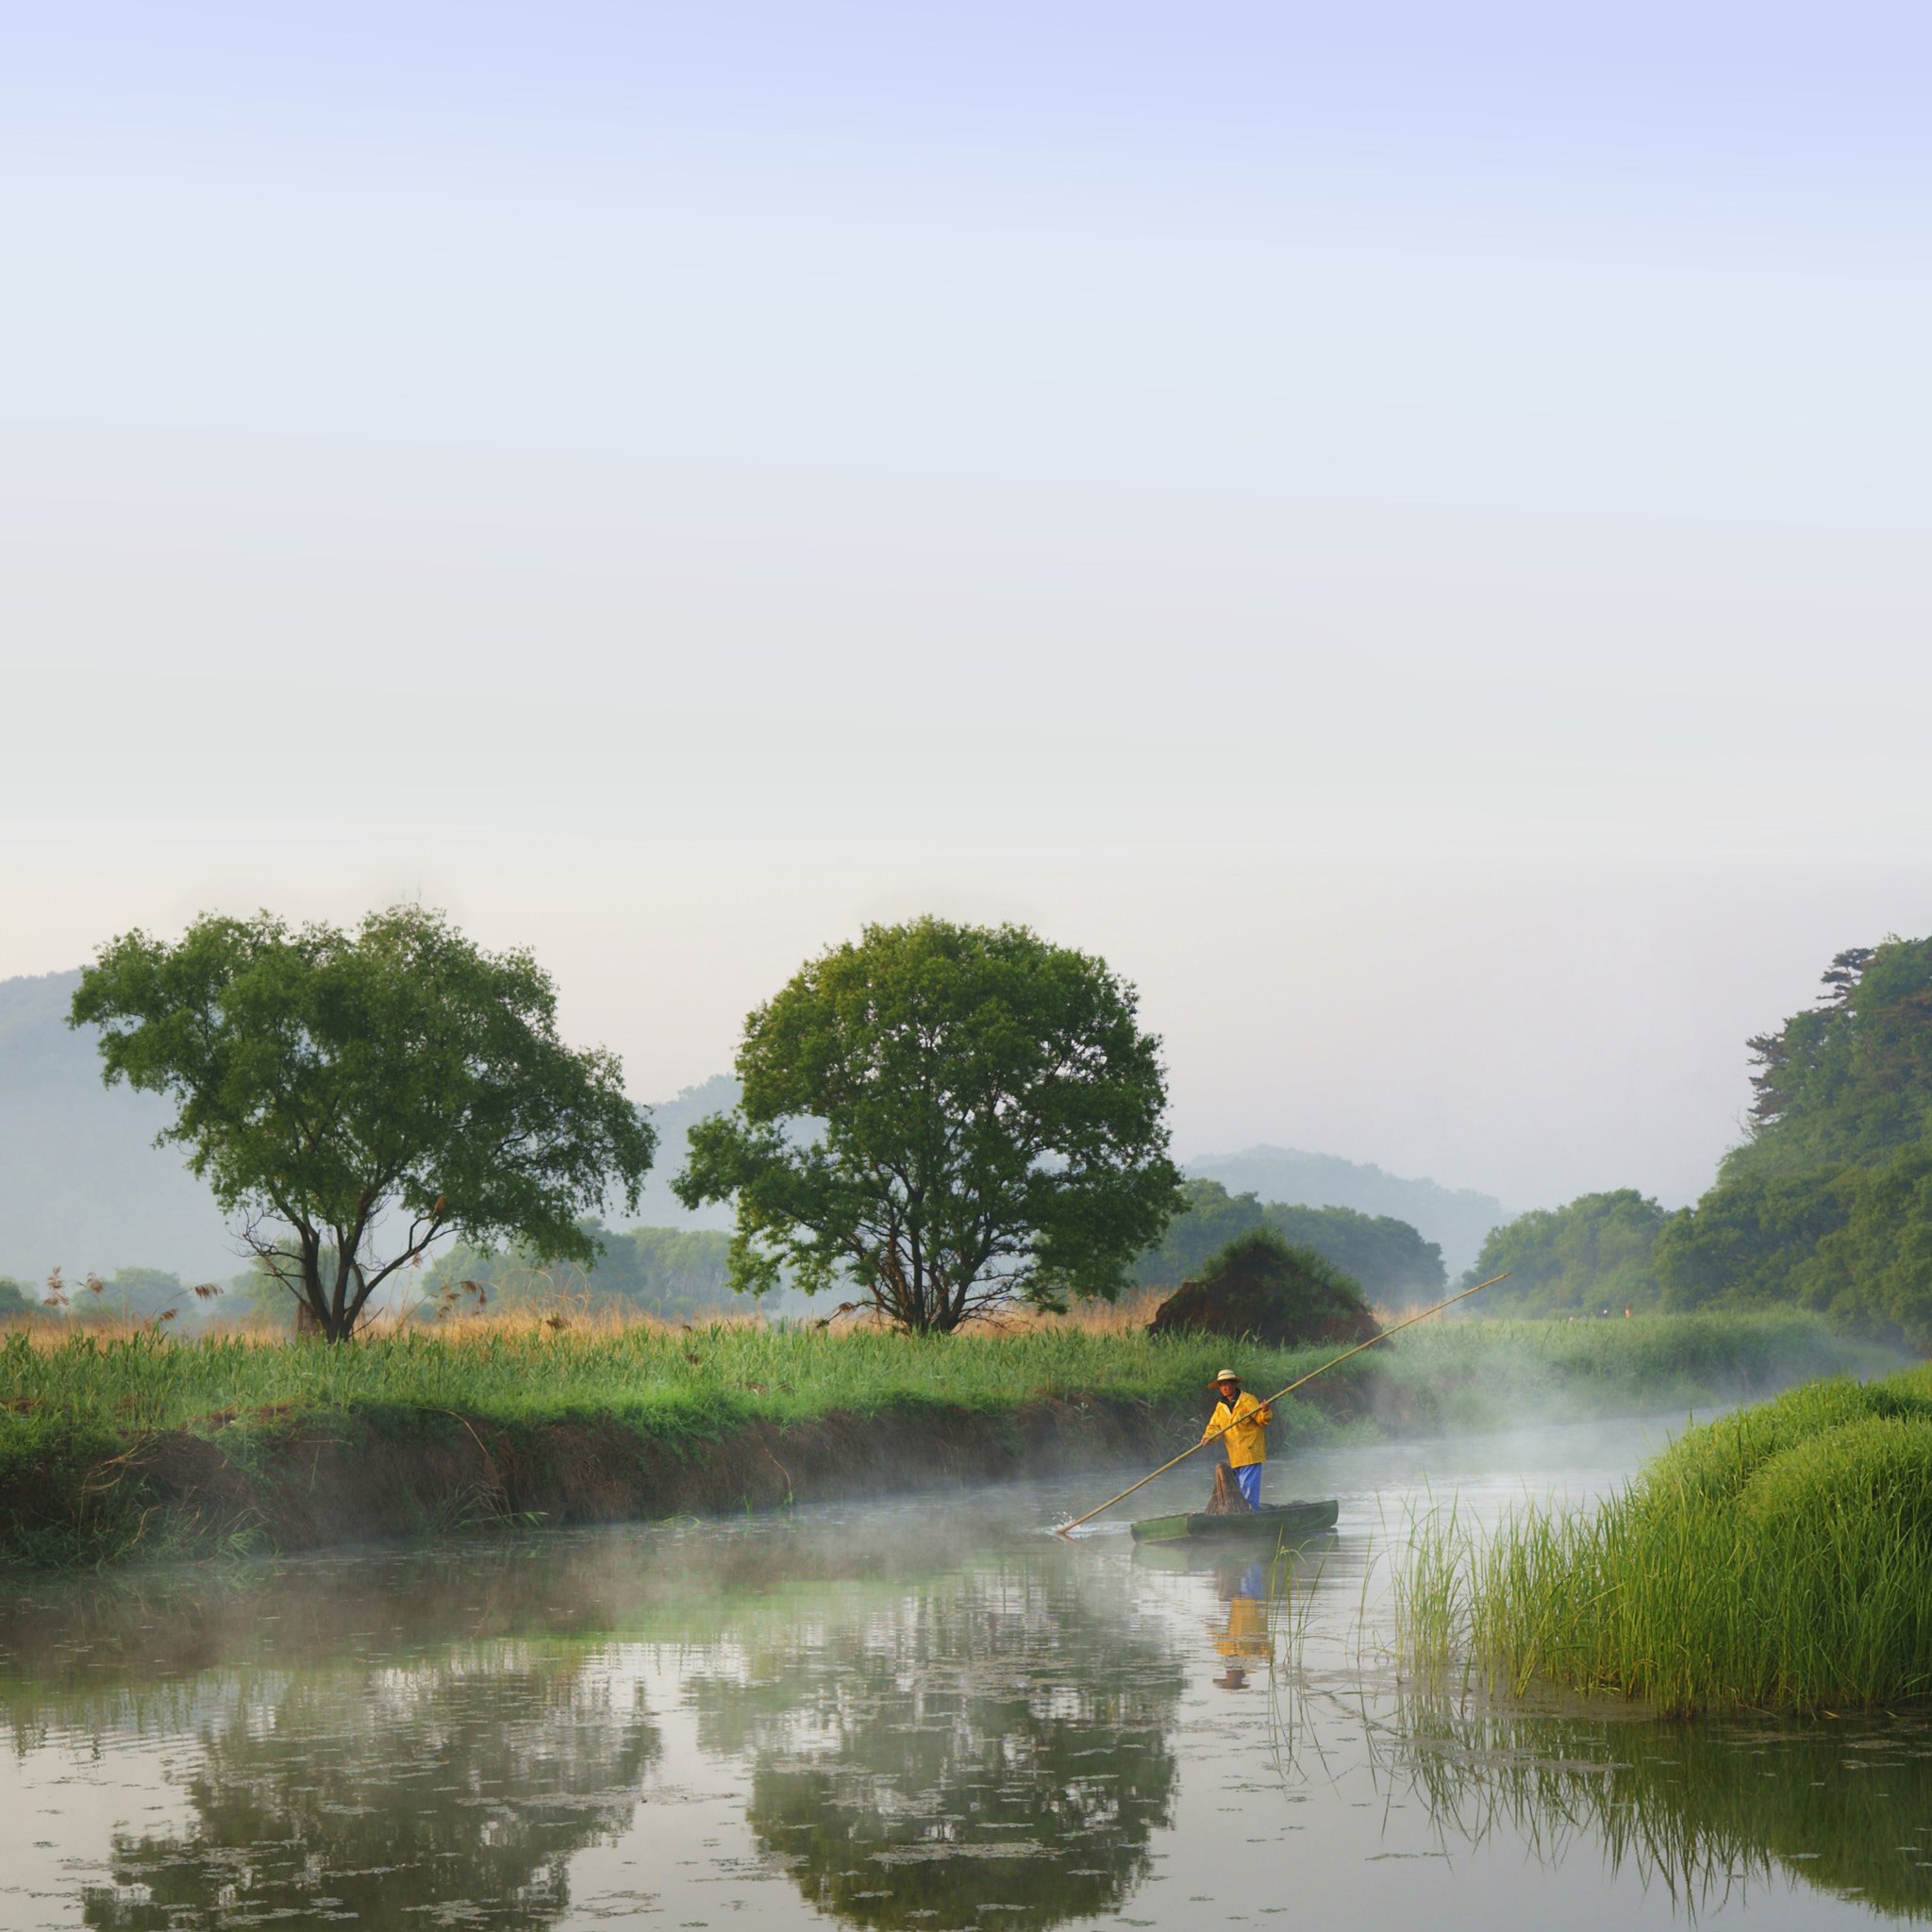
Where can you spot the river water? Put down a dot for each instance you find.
(925, 1712)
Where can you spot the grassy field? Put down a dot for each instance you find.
(1481, 1374)
(1778, 1557)
(73, 1401)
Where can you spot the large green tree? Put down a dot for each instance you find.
(1853, 1241)
(395, 1084)
(951, 1118)
(1828, 1202)
(1850, 1079)
(1591, 1254)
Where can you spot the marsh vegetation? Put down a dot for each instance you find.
(82, 1408)
(1776, 1558)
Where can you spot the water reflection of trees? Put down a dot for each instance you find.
(1704, 1809)
(987, 1740)
(388, 1798)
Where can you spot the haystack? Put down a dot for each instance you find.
(1278, 1292)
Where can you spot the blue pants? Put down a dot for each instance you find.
(1250, 1480)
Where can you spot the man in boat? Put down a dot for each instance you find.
(1246, 1422)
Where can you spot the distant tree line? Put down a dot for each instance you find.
(129, 1294)
(1827, 1202)
(671, 1273)
(1592, 1256)
(1389, 1259)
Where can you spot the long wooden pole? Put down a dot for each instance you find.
(1067, 1527)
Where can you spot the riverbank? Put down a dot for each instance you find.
(138, 1445)
(1776, 1559)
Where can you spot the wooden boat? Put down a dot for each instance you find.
(1267, 1524)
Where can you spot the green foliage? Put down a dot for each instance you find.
(1781, 1558)
(16, 1298)
(1388, 1257)
(323, 1077)
(1878, 1468)
(1850, 1080)
(991, 1127)
(668, 1272)
(1293, 1260)
(1719, 1462)
(1589, 1256)
(1263, 1287)
(1853, 1243)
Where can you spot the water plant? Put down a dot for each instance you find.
(1779, 1557)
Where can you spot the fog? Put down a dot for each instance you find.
(1406, 542)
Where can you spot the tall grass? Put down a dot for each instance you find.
(702, 1378)
(1480, 1376)
(1780, 1557)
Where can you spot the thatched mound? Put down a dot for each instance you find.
(1274, 1291)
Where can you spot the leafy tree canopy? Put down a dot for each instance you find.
(1591, 1253)
(324, 1079)
(1850, 1079)
(1853, 1243)
(1388, 1257)
(990, 1127)
(16, 1298)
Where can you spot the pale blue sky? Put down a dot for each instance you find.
(1402, 526)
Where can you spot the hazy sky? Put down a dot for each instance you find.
(1402, 526)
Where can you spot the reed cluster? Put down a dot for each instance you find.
(1779, 1557)
(676, 1380)
(530, 1365)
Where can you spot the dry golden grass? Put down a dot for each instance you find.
(561, 1314)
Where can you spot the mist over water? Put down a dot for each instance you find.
(925, 1712)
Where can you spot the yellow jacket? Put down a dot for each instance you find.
(1246, 1441)
(1248, 1629)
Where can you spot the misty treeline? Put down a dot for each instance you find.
(128, 1295)
(1826, 1203)
(672, 1274)
(1388, 1259)
(675, 1274)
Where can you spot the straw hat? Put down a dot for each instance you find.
(1227, 1375)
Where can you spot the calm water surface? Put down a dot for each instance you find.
(923, 1713)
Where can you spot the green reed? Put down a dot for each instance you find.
(1477, 1375)
(701, 1379)
(1779, 1557)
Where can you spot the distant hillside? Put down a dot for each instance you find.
(660, 1207)
(81, 1184)
(1456, 1219)
(83, 1187)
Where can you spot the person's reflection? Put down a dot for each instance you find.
(1247, 1638)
